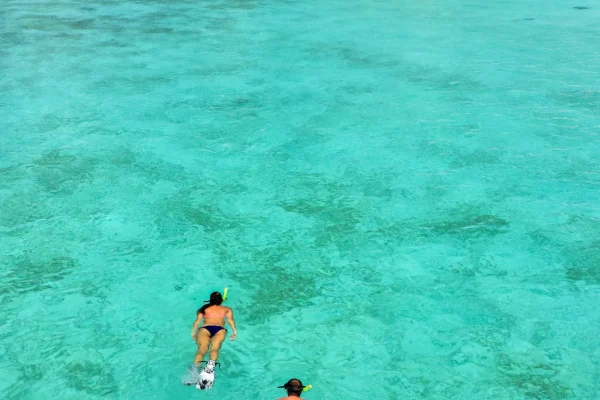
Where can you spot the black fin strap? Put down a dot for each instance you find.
(219, 364)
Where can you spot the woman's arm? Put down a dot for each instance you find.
(195, 326)
(231, 322)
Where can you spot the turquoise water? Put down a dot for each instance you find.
(403, 197)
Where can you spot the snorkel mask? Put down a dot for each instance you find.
(295, 383)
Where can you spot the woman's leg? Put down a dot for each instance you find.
(215, 344)
(202, 340)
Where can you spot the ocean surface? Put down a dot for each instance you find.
(402, 197)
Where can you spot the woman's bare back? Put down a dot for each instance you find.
(215, 315)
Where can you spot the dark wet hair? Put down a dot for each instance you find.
(293, 386)
(215, 300)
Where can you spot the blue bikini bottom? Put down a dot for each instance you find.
(213, 329)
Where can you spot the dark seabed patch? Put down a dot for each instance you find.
(582, 263)
(91, 378)
(468, 222)
(533, 379)
(30, 276)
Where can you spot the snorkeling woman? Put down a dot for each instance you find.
(212, 333)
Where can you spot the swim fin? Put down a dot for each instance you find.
(207, 377)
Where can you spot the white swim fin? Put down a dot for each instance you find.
(207, 377)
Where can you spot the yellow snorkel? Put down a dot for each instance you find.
(307, 388)
(225, 294)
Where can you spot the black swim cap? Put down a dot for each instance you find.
(215, 299)
(293, 385)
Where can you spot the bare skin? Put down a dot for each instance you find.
(216, 316)
(292, 397)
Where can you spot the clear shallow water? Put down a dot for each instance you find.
(402, 197)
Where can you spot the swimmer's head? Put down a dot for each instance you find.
(215, 299)
(293, 387)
